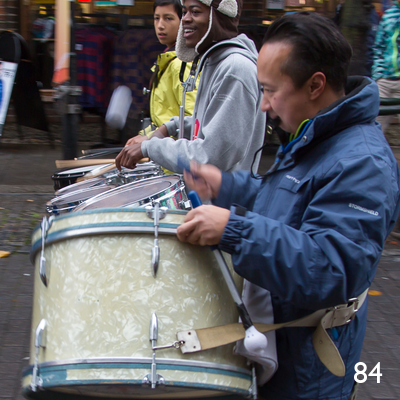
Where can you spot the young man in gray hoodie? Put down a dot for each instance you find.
(227, 125)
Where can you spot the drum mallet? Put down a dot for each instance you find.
(254, 340)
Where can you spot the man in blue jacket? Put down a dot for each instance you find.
(311, 231)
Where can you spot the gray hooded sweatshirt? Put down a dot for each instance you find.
(227, 117)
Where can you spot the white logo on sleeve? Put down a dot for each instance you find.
(356, 207)
(292, 178)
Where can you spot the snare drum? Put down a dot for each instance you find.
(69, 201)
(68, 177)
(90, 324)
(168, 190)
(114, 177)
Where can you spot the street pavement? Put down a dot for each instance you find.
(25, 187)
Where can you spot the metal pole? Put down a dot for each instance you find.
(70, 119)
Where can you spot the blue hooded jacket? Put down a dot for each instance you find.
(314, 232)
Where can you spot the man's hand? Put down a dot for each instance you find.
(204, 225)
(136, 139)
(205, 179)
(129, 156)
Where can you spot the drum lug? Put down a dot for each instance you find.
(150, 211)
(156, 212)
(45, 226)
(153, 378)
(40, 341)
(186, 205)
(158, 380)
(253, 391)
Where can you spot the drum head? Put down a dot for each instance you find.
(79, 186)
(133, 193)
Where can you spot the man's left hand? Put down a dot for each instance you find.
(129, 156)
(204, 225)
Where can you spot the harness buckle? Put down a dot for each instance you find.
(353, 302)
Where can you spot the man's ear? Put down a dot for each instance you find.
(316, 85)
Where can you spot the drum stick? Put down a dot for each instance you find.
(85, 163)
(105, 150)
(93, 174)
(254, 340)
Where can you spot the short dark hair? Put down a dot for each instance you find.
(318, 46)
(176, 3)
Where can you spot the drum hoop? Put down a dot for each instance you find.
(79, 171)
(160, 362)
(101, 229)
(66, 195)
(92, 182)
(175, 186)
(101, 211)
(106, 179)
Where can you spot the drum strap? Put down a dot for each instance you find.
(208, 338)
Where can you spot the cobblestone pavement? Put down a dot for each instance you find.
(22, 205)
(19, 214)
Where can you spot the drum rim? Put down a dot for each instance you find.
(107, 177)
(104, 210)
(141, 360)
(58, 175)
(70, 203)
(101, 228)
(98, 181)
(116, 228)
(176, 186)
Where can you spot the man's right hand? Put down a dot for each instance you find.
(205, 179)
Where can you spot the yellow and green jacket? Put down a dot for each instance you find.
(167, 90)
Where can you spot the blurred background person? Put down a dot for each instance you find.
(385, 69)
(358, 21)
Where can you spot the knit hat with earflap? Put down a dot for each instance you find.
(223, 25)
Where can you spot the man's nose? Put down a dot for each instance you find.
(186, 17)
(265, 104)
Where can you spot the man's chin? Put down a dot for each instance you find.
(190, 45)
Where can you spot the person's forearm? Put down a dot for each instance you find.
(160, 133)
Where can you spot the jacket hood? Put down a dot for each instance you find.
(360, 105)
(223, 25)
(239, 44)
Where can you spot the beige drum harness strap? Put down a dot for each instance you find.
(207, 338)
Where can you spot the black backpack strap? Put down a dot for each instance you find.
(182, 71)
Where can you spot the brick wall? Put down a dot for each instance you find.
(9, 19)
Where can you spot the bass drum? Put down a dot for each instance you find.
(90, 325)
(168, 190)
(114, 177)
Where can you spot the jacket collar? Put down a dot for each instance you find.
(360, 105)
(165, 58)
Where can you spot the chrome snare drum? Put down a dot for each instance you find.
(95, 296)
(114, 177)
(168, 190)
(69, 201)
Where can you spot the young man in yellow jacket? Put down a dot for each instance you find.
(169, 72)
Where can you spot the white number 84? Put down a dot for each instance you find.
(376, 371)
